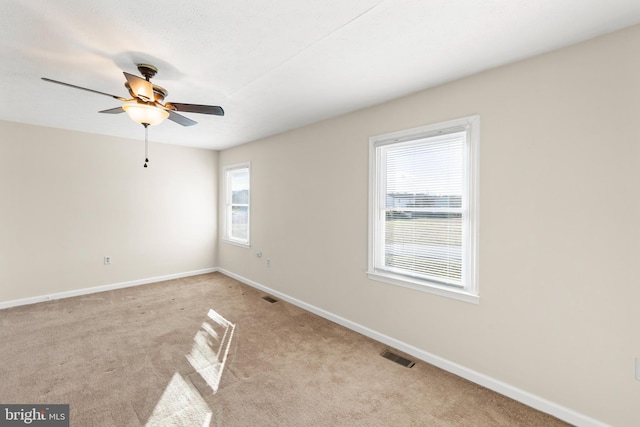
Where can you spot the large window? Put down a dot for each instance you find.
(423, 208)
(237, 212)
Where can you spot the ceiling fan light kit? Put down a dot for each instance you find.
(145, 113)
(146, 103)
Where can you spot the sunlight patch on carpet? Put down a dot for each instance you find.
(180, 405)
(211, 348)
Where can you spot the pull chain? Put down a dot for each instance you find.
(146, 143)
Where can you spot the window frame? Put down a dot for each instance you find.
(227, 216)
(469, 292)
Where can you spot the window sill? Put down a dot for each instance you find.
(237, 243)
(431, 288)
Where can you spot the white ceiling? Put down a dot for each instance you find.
(272, 65)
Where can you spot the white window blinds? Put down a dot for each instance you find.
(237, 188)
(423, 208)
(421, 212)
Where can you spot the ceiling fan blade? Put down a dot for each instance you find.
(196, 108)
(83, 88)
(181, 120)
(140, 87)
(116, 110)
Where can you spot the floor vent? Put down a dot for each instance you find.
(398, 359)
(269, 299)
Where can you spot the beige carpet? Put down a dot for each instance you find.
(208, 350)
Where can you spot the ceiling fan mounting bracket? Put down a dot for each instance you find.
(148, 71)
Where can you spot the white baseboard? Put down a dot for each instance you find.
(529, 399)
(102, 288)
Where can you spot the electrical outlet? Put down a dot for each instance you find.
(107, 260)
(638, 368)
(268, 262)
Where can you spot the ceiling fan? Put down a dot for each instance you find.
(146, 103)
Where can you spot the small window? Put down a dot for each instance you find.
(423, 208)
(237, 211)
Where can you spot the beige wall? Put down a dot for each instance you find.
(68, 198)
(559, 226)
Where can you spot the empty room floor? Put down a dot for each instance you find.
(209, 350)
